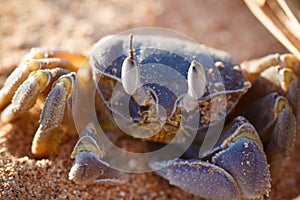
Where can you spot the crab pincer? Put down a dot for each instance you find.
(237, 167)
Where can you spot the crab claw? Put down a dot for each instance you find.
(237, 169)
(88, 168)
(199, 178)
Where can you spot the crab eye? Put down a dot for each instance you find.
(196, 85)
(131, 79)
(130, 75)
(196, 80)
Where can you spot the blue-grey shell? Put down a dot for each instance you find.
(154, 53)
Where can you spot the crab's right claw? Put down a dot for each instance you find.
(238, 169)
(199, 178)
(88, 166)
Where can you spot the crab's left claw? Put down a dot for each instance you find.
(237, 169)
(88, 168)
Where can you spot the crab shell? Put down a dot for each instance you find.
(164, 63)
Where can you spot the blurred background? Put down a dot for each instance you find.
(76, 26)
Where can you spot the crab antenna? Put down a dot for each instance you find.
(196, 85)
(131, 52)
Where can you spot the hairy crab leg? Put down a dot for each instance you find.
(253, 68)
(21, 73)
(274, 73)
(34, 78)
(237, 168)
(74, 58)
(16, 78)
(33, 61)
(26, 95)
(50, 131)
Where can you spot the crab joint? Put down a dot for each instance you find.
(87, 144)
(290, 61)
(196, 85)
(285, 78)
(281, 103)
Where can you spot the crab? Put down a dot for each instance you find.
(256, 100)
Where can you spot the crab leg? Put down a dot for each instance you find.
(27, 93)
(33, 61)
(253, 68)
(237, 169)
(16, 78)
(50, 131)
(76, 60)
(21, 73)
(280, 17)
(200, 178)
(275, 73)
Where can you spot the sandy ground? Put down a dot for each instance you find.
(75, 26)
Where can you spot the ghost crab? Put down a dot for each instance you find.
(236, 167)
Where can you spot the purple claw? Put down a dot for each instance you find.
(87, 169)
(199, 178)
(236, 168)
